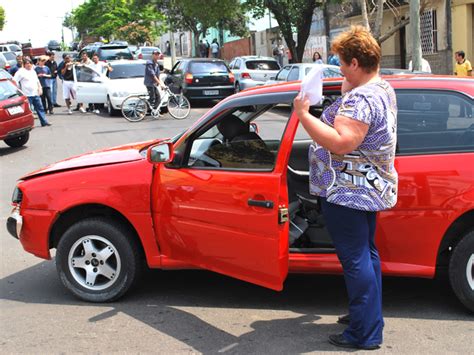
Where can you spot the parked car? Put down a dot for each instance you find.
(107, 52)
(16, 118)
(216, 196)
(292, 72)
(251, 71)
(74, 46)
(119, 43)
(54, 45)
(10, 47)
(397, 71)
(201, 78)
(5, 75)
(7, 60)
(146, 52)
(133, 48)
(125, 79)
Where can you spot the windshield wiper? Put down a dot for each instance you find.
(12, 95)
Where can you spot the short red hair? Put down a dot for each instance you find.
(358, 43)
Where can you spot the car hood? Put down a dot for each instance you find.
(132, 85)
(121, 154)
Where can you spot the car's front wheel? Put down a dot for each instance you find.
(18, 141)
(110, 109)
(461, 270)
(97, 260)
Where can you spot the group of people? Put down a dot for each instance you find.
(206, 49)
(40, 82)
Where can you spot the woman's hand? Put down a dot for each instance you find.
(301, 104)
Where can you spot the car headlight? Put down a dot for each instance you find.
(120, 93)
(17, 196)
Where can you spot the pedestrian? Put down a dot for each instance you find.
(61, 66)
(18, 65)
(152, 79)
(463, 66)
(352, 171)
(68, 82)
(53, 68)
(44, 75)
(203, 48)
(168, 48)
(30, 85)
(215, 48)
(85, 60)
(317, 58)
(333, 59)
(98, 66)
(208, 46)
(425, 66)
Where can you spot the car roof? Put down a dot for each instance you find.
(256, 57)
(128, 61)
(434, 82)
(203, 60)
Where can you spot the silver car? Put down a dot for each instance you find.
(7, 60)
(146, 52)
(251, 71)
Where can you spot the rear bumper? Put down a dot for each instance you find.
(200, 92)
(16, 126)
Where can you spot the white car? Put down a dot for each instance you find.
(111, 89)
(11, 47)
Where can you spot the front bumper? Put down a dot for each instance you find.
(15, 223)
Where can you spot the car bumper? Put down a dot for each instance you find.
(209, 92)
(15, 223)
(16, 126)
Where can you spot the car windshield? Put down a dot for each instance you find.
(4, 74)
(262, 65)
(115, 53)
(15, 48)
(8, 90)
(123, 71)
(208, 67)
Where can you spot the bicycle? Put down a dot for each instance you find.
(135, 107)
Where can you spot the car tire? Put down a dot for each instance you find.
(97, 260)
(237, 88)
(18, 141)
(461, 270)
(110, 109)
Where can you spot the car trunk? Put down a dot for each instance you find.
(262, 70)
(209, 74)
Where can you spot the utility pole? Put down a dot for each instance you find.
(415, 33)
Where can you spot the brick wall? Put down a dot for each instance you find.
(236, 48)
(440, 63)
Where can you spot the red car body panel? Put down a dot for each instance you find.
(188, 218)
(11, 125)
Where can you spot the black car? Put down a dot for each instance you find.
(54, 45)
(201, 78)
(107, 52)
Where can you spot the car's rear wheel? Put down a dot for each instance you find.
(461, 270)
(97, 260)
(18, 141)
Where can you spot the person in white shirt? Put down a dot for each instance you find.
(98, 66)
(425, 66)
(29, 84)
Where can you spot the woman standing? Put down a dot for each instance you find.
(317, 58)
(352, 171)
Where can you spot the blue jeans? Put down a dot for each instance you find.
(352, 232)
(54, 90)
(35, 101)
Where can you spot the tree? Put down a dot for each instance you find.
(133, 32)
(292, 16)
(2, 18)
(415, 28)
(69, 23)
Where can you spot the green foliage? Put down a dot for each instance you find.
(135, 33)
(112, 18)
(2, 18)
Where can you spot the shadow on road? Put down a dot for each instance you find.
(8, 150)
(158, 298)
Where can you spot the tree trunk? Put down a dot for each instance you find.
(415, 34)
(365, 16)
(378, 20)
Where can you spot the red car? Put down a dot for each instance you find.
(16, 118)
(230, 194)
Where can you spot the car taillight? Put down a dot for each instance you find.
(140, 56)
(231, 77)
(246, 76)
(188, 78)
(7, 67)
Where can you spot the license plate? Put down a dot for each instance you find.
(15, 110)
(211, 92)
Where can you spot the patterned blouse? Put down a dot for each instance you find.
(364, 179)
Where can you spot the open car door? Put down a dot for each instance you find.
(89, 85)
(225, 208)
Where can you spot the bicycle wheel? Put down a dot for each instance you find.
(179, 106)
(134, 108)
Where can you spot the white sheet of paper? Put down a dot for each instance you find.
(312, 85)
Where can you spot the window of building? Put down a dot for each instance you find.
(429, 32)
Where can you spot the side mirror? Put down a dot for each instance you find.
(162, 152)
(253, 127)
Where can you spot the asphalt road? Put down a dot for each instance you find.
(177, 312)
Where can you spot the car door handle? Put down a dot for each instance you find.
(260, 203)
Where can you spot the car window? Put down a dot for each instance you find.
(208, 67)
(9, 55)
(262, 65)
(294, 74)
(247, 138)
(8, 90)
(115, 53)
(123, 71)
(149, 50)
(282, 74)
(434, 122)
(332, 73)
(237, 64)
(85, 74)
